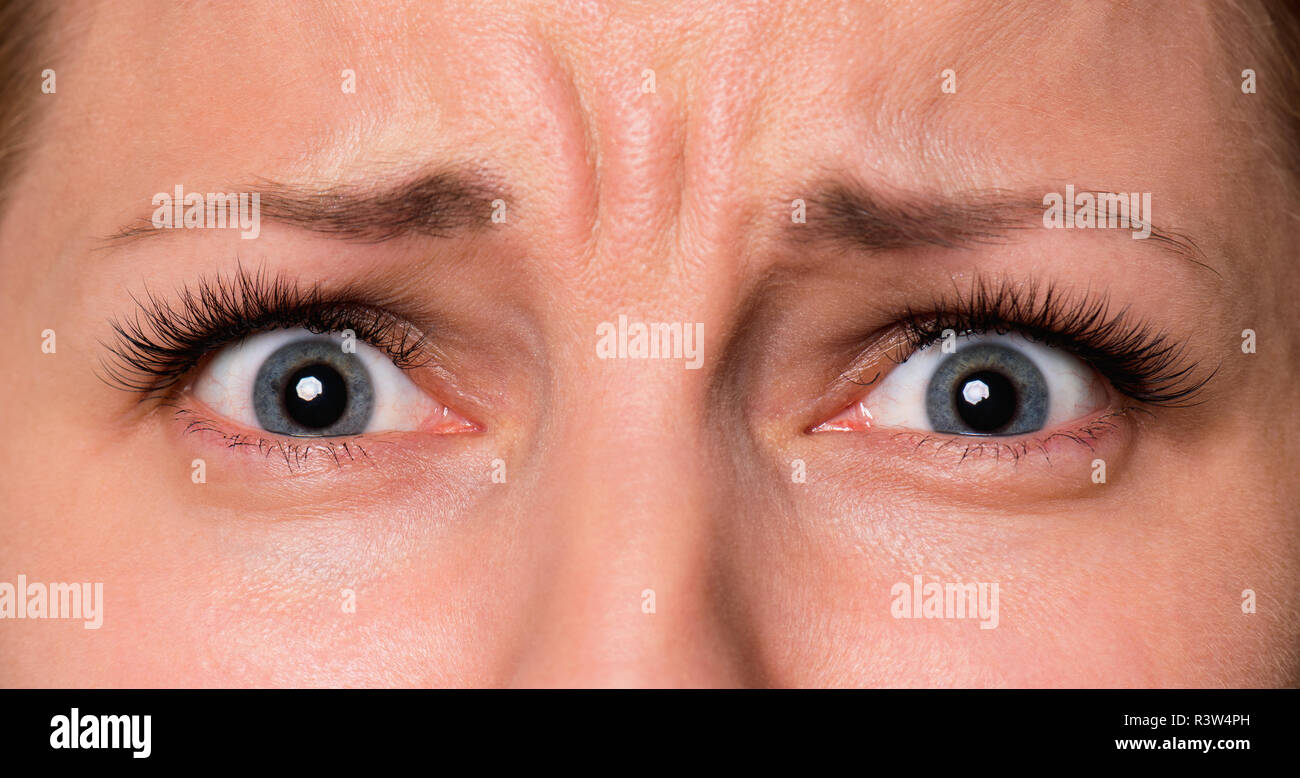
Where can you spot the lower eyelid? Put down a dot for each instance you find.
(1077, 437)
(293, 455)
(1002, 477)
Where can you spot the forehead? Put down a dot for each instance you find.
(634, 109)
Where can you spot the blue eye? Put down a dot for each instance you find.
(987, 389)
(303, 384)
(990, 384)
(313, 388)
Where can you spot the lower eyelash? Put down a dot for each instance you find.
(1014, 450)
(154, 350)
(1139, 361)
(295, 455)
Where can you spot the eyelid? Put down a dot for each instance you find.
(301, 455)
(1136, 360)
(1073, 388)
(297, 454)
(1048, 469)
(166, 340)
(399, 405)
(1139, 359)
(1084, 434)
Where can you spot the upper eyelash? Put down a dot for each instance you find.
(1140, 361)
(150, 356)
(164, 341)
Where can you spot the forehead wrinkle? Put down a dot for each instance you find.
(910, 130)
(724, 118)
(904, 118)
(1084, 54)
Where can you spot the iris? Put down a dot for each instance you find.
(312, 387)
(987, 389)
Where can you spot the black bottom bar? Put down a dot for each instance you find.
(815, 730)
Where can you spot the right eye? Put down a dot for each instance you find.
(992, 385)
(303, 384)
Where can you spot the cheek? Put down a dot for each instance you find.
(1147, 595)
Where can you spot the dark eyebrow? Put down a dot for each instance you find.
(852, 215)
(439, 204)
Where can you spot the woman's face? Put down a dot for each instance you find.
(496, 481)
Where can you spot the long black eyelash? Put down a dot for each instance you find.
(163, 341)
(1139, 361)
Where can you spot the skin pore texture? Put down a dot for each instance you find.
(668, 201)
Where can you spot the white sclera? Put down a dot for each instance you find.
(226, 383)
(1074, 389)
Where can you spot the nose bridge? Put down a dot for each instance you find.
(626, 535)
(624, 530)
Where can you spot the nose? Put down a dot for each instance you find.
(628, 593)
(626, 532)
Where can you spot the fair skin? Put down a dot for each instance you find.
(625, 475)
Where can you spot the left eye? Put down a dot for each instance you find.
(297, 383)
(994, 384)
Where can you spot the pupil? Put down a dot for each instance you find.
(986, 401)
(315, 396)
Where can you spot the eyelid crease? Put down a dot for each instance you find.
(1140, 361)
(163, 341)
